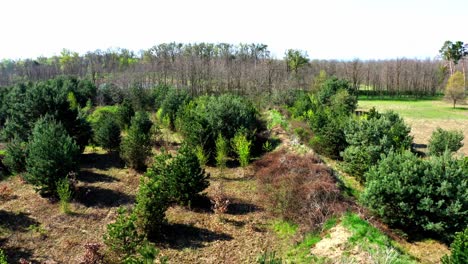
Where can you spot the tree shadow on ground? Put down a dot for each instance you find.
(201, 204)
(17, 222)
(239, 207)
(234, 179)
(14, 254)
(103, 161)
(92, 196)
(93, 177)
(180, 236)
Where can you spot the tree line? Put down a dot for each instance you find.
(216, 68)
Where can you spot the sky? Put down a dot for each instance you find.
(325, 29)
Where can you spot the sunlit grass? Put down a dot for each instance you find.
(420, 109)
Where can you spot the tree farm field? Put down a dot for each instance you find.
(424, 116)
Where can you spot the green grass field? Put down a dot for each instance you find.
(422, 109)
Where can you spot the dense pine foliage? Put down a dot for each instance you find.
(51, 155)
(428, 195)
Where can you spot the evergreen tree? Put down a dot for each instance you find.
(442, 140)
(51, 155)
(185, 176)
(136, 146)
(107, 133)
(15, 158)
(124, 114)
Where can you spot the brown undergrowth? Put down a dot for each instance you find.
(299, 188)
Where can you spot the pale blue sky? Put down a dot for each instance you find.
(327, 29)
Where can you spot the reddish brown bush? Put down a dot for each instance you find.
(91, 255)
(219, 200)
(298, 188)
(5, 193)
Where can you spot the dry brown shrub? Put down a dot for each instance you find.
(92, 255)
(299, 188)
(219, 200)
(5, 193)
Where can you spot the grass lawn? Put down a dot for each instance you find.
(424, 116)
(424, 109)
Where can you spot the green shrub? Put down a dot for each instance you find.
(142, 122)
(302, 104)
(64, 192)
(204, 119)
(328, 127)
(241, 146)
(147, 255)
(159, 94)
(107, 133)
(422, 195)
(27, 102)
(201, 155)
(269, 258)
(331, 87)
(122, 236)
(275, 118)
(3, 259)
(459, 249)
(124, 114)
(51, 155)
(136, 146)
(152, 200)
(442, 140)
(15, 156)
(109, 111)
(222, 150)
(330, 112)
(175, 99)
(185, 176)
(369, 138)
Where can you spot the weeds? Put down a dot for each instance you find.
(221, 151)
(284, 229)
(65, 193)
(269, 258)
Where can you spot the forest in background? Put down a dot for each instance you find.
(217, 68)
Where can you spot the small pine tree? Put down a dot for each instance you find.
(152, 202)
(221, 151)
(459, 249)
(122, 236)
(241, 146)
(125, 114)
(51, 155)
(136, 146)
(201, 155)
(442, 140)
(185, 176)
(107, 133)
(15, 158)
(64, 192)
